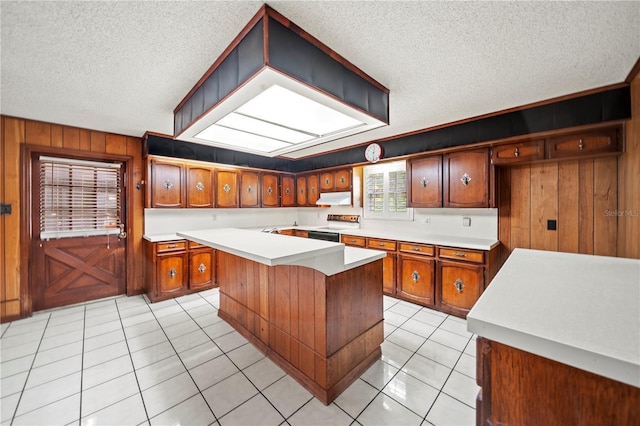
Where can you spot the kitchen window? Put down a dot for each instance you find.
(79, 198)
(386, 191)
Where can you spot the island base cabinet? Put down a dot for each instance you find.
(460, 286)
(520, 388)
(324, 331)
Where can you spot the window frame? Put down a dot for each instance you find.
(386, 170)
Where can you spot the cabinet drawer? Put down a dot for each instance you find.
(171, 246)
(350, 240)
(381, 244)
(194, 245)
(423, 249)
(518, 152)
(462, 254)
(587, 143)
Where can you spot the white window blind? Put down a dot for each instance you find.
(386, 191)
(79, 198)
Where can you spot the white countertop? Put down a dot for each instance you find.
(272, 249)
(414, 237)
(580, 310)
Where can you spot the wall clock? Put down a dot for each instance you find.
(373, 153)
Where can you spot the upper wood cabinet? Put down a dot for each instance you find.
(308, 189)
(199, 186)
(335, 180)
(166, 184)
(249, 189)
(288, 189)
(270, 190)
(301, 191)
(592, 142)
(226, 188)
(425, 178)
(515, 153)
(466, 178)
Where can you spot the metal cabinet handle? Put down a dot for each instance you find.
(249, 189)
(313, 189)
(287, 191)
(465, 179)
(172, 273)
(168, 184)
(200, 186)
(580, 145)
(202, 268)
(424, 182)
(417, 249)
(459, 285)
(381, 244)
(415, 276)
(226, 187)
(342, 179)
(516, 153)
(460, 254)
(269, 190)
(172, 246)
(326, 181)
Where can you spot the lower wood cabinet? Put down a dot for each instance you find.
(389, 263)
(176, 268)
(460, 286)
(416, 279)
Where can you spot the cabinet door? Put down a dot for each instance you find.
(301, 183)
(389, 273)
(288, 191)
(249, 189)
(460, 286)
(202, 267)
(416, 280)
(226, 188)
(425, 176)
(171, 279)
(515, 153)
(326, 181)
(466, 178)
(166, 184)
(313, 189)
(199, 186)
(582, 144)
(342, 180)
(270, 190)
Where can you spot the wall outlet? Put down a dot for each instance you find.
(427, 220)
(466, 221)
(213, 217)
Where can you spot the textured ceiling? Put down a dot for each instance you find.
(123, 67)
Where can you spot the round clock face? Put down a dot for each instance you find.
(373, 153)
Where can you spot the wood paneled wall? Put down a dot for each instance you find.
(629, 182)
(14, 133)
(581, 196)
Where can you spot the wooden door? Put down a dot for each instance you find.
(313, 189)
(171, 274)
(226, 188)
(425, 177)
(249, 189)
(416, 279)
(460, 286)
(466, 179)
(202, 267)
(72, 269)
(301, 183)
(326, 181)
(342, 180)
(199, 186)
(288, 191)
(166, 184)
(270, 190)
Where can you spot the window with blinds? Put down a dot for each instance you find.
(79, 198)
(386, 191)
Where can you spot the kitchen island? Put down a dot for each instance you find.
(313, 307)
(559, 341)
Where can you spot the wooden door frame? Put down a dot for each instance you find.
(26, 225)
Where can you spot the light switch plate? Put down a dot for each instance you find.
(466, 221)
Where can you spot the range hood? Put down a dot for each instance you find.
(334, 199)
(276, 89)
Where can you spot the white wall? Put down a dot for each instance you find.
(484, 222)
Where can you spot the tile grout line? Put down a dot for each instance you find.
(35, 355)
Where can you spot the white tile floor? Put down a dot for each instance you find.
(125, 361)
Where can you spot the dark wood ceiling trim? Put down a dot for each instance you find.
(635, 70)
